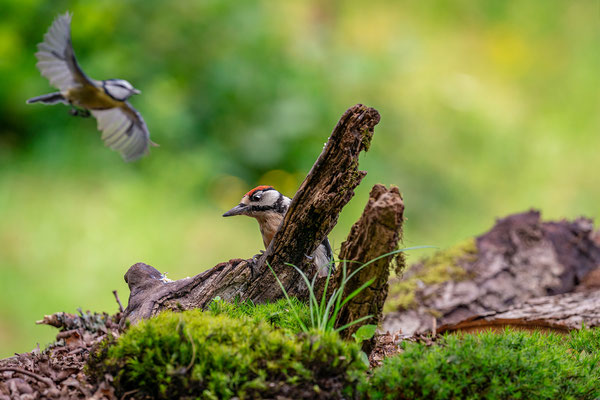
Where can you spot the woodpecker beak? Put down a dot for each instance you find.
(136, 91)
(240, 209)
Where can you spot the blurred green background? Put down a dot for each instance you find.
(488, 108)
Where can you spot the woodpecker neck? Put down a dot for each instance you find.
(268, 223)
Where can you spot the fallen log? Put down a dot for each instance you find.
(560, 313)
(313, 213)
(520, 258)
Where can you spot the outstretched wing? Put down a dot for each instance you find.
(56, 60)
(124, 130)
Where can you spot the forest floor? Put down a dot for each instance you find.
(524, 274)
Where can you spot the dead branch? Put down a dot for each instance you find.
(40, 378)
(118, 300)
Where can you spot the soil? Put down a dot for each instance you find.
(58, 372)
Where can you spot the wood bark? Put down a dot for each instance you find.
(312, 214)
(561, 313)
(520, 258)
(376, 233)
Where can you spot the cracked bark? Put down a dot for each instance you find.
(313, 213)
(560, 313)
(520, 258)
(376, 233)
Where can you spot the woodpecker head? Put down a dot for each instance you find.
(259, 202)
(265, 204)
(119, 89)
(269, 206)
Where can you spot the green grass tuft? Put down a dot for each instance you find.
(279, 314)
(512, 365)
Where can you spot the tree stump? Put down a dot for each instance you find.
(312, 214)
(376, 233)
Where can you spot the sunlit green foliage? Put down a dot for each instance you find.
(487, 108)
(512, 365)
(216, 357)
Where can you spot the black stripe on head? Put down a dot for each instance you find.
(278, 207)
(106, 91)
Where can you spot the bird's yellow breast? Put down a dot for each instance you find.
(91, 97)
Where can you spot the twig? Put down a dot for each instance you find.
(40, 378)
(129, 392)
(118, 301)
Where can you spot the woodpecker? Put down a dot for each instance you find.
(123, 128)
(269, 206)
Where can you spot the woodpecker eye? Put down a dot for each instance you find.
(256, 196)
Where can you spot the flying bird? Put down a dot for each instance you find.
(123, 128)
(269, 207)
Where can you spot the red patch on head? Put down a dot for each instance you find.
(256, 189)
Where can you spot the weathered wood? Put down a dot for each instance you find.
(376, 233)
(520, 258)
(314, 211)
(315, 208)
(560, 313)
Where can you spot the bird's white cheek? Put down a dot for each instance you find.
(118, 93)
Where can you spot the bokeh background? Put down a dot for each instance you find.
(488, 108)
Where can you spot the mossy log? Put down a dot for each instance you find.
(520, 258)
(313, 212)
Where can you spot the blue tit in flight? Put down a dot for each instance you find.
(123, 128)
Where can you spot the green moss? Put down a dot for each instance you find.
(442, 266)
(513, 365)
(585, 341)
(213, 356)
(277, 314)
(366, 139)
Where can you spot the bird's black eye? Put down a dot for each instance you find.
(256, 196)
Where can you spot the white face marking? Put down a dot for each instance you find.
(261, 204)
(264, 199)
(119, 89)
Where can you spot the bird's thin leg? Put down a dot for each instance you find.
(254, 261)
(257, 256)
(79, 112)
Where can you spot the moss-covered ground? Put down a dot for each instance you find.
(512, 365)
(202, 355)
(257, 351)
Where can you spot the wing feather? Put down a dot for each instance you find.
(124, 130)
(56, 59)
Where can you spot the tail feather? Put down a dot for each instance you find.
(50, 98)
